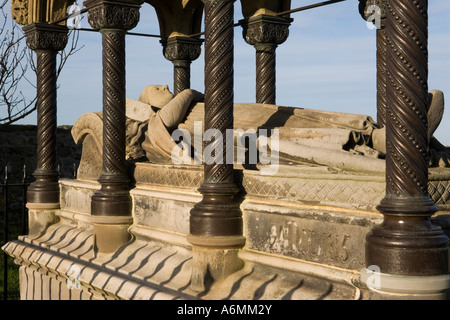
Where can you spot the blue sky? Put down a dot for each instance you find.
(327, 63)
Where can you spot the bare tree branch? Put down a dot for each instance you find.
(16, 62)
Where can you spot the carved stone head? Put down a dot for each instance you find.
(156, 95)
(19, 11)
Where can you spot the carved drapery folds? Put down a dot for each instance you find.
(265, 33)
(181, 51)
(374, 11)
(46, 40)
(407, 243)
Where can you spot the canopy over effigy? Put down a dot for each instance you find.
(318, 216)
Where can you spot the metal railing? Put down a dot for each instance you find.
(14, 216)
(19, 216)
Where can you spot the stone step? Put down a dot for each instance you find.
(153, 270)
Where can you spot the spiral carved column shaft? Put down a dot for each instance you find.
(216, 226)
(46, 41)
(218, 214)
(407, 243)
(265, 33)
(266, 74)
(113, 42)
(111, 205)
(381, 76)
(113, 19)
(374, 11)
(113, 199)
(181, 75)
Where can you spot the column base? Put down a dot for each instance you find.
(111, 204)
(407, 243)
(389, 287)
(40, 217)
(212, 265)
(43, 192)
(110, 233)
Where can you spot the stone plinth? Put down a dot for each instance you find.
(305, 230)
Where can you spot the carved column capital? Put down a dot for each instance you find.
(370, 8)
(181, 51)
(181, 48)
(265, 29)
(42, 36)
(113, 14)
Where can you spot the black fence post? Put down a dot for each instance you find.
(24, 201)
(5, 230)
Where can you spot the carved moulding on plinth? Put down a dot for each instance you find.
(181, 51)
(265, 33)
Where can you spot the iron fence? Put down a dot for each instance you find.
(14, 221)
(13, 193)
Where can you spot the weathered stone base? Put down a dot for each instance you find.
(395, 287)
(305, 232)
(157, 270)
(41, 217)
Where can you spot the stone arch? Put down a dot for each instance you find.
(252, 8)
(25, 12)
(178, 17)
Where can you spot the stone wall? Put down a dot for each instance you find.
(18, 148)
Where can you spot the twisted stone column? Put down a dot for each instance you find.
(216, 222)
(375, 11)
(46, 40)
(43, 194)
(111, 205)
(265, 33)
(381, 77)
(407, 243)
(181, 51)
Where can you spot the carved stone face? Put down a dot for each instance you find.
(19, 11)
(156, 95)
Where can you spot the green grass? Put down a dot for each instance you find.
(13, 292)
